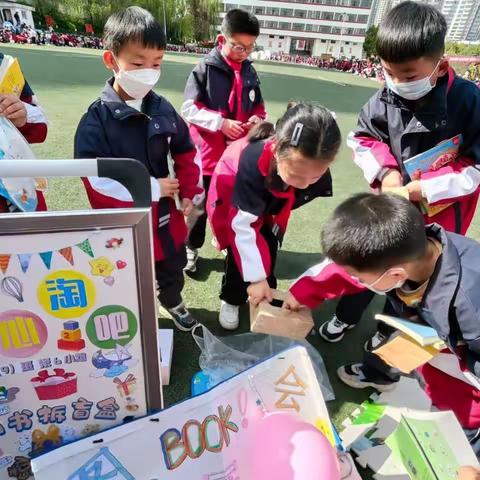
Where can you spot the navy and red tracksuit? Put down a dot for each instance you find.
(391, 130)
(217, 89)
(249, 207)
(34, 131)
(112, 129)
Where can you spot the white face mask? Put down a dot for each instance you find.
(411, 90)
(371, 286)
(137, 83)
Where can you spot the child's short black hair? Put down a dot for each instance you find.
(133, 24)
(239, 21)
(374, 232)
(410, 31)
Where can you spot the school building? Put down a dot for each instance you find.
(309, 27)
(16, 13)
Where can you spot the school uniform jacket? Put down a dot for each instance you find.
(34, 131)
(112, 129)
(451, 304)
(206, 104)
(246, 196)
(391, 130)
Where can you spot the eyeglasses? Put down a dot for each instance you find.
(241, 48)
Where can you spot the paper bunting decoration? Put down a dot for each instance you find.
(67, 254)
(86, 247)
(4, 261)
(46, 258)
(24, 259)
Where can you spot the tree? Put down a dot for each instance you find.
(370, 43)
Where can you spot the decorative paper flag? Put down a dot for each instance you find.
(67, 254)
(4, 261)
(24, 259)
(86, 248)
(47, 258)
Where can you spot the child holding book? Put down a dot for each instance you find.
(422, 103)
(223, 101)
(381, 243)
(129, 120)
(25, 113)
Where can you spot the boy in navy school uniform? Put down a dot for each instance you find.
(130, 120)
(222, 102)
(430, 275)
(422, 103)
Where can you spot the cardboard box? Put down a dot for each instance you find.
(165, 343)
(272, 319)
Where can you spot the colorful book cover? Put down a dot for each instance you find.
(422, 334)
(11, 76)
(423, 450)
(431, 160)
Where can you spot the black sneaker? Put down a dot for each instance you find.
(334, 330)
(182, 318)
(375, 342)
(352, 375)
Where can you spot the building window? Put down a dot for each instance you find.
(286, 12)
(269, 24)
(299, 27)
(300, 14)
(323, 40)
(24, 14)
(281, 37)
(284, 26)
(259, 10)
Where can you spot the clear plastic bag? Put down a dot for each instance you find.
(222, 358)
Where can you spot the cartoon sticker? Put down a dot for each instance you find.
(22, 333)
(101, 267)
(127, 386)
(121, 264)
(113, 243)
(12, 287)
(66, 294)
(109, 281)
(113, 363)
(110, 326)
(7, 395)
(71, 337)
(45, 442)
(53, 386)
(21, 469)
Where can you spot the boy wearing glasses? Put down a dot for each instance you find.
(222, 102)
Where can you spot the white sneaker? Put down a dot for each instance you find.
(229, 316)
(192, 257)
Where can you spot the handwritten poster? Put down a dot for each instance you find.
(70, 344)
(202, 438)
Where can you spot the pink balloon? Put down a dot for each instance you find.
(284, 447)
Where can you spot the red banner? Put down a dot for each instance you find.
(49, 21)
(89, 28)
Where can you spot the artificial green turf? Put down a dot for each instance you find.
(67, 80)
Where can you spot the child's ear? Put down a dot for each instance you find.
(108, 60)
(443, 67)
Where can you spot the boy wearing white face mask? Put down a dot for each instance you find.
(129, 120)
(430, 276)
(422, 103)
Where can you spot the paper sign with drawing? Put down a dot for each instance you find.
(204, 437)
(71, 360)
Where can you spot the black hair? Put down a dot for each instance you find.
(374, 232)
(410, 31)
(133, 24)
(239, 21)
(311, 129)
(264, 129)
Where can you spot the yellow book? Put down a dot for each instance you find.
(11, 76)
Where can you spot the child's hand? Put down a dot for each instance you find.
(232, 129)
(259, 291)
(291, 303)
(415, 191)
(169, 187)
(393, 178)
(469, 473)
(254, 119)
(187, 206)
(14, 109)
